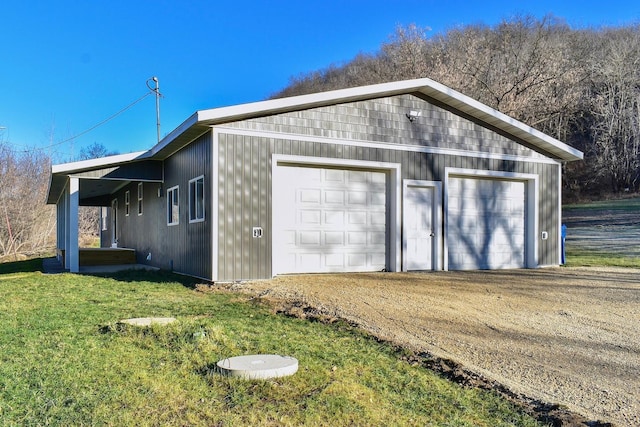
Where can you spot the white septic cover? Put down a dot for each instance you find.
(148, 321)
(258, 366)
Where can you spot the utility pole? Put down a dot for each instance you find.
(156, 90)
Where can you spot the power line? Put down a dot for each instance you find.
(113, 116)
(101, 123)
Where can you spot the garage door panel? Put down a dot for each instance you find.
(289, 237)
(334, 175)
(309, 217)
(309, 261)
(357, 218)
(334, 217)
(334, 238)
(340, 220)
(357, 176)
(377, 259)
(356, 238)
(309, 196)
(377, 218)
(309, 238)
(334, 197)
(358, 198)
(376, 238)
(357, 260)
(485, 223)
(378, 199)
(334, 260)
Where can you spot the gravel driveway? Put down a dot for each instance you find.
(561, 335)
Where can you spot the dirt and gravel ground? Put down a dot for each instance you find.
(568, 336)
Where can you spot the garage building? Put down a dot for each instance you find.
(399, 176)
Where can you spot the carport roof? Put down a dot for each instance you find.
(198, 123)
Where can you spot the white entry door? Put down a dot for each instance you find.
(419, 227)
(329, 220)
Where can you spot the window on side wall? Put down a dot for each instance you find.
(196, 199)
(173, 202)
(140, 196)
(127, 198)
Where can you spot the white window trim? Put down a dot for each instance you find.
(170, 190)
(127, 203)
(140, 198)
(204, 212)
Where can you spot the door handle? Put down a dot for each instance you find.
(432, 234)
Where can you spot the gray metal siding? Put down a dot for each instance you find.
(384, 120)
(245, 192)
(244, 202)
(184, 247)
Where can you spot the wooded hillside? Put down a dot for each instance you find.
(581, 86)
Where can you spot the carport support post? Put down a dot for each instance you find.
(72, 257)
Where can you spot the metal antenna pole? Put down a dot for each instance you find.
(157, 91)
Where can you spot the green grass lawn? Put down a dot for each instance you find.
(64, 361)
(621, 205)
(580, 257)
(602, 224)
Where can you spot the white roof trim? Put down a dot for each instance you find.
(98, 163)
(191, 121)
(426, 86)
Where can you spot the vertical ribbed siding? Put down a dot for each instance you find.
(184, 247)
(245, 193)
(244, 202)
(188, 245)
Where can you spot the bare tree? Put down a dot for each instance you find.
(616, 110)
(527, 68)
(26, 223)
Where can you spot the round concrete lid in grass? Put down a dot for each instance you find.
(148, 321)
(258, 366)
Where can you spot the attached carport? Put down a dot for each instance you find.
(90, 183)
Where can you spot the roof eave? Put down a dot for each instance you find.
(201, 120)
(83, 165)
(500, 120)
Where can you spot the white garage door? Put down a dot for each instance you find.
(329, 220)
(486, 224)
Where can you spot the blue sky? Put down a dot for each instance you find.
(66, 66)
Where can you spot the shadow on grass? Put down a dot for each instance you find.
(26, 266)
(156, 276)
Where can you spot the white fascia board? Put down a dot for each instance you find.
(425, 86)
(97, 163)
(194, 119)
(502, 121)
(294, 103)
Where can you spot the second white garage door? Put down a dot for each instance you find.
(486, 223)
(329, 220)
